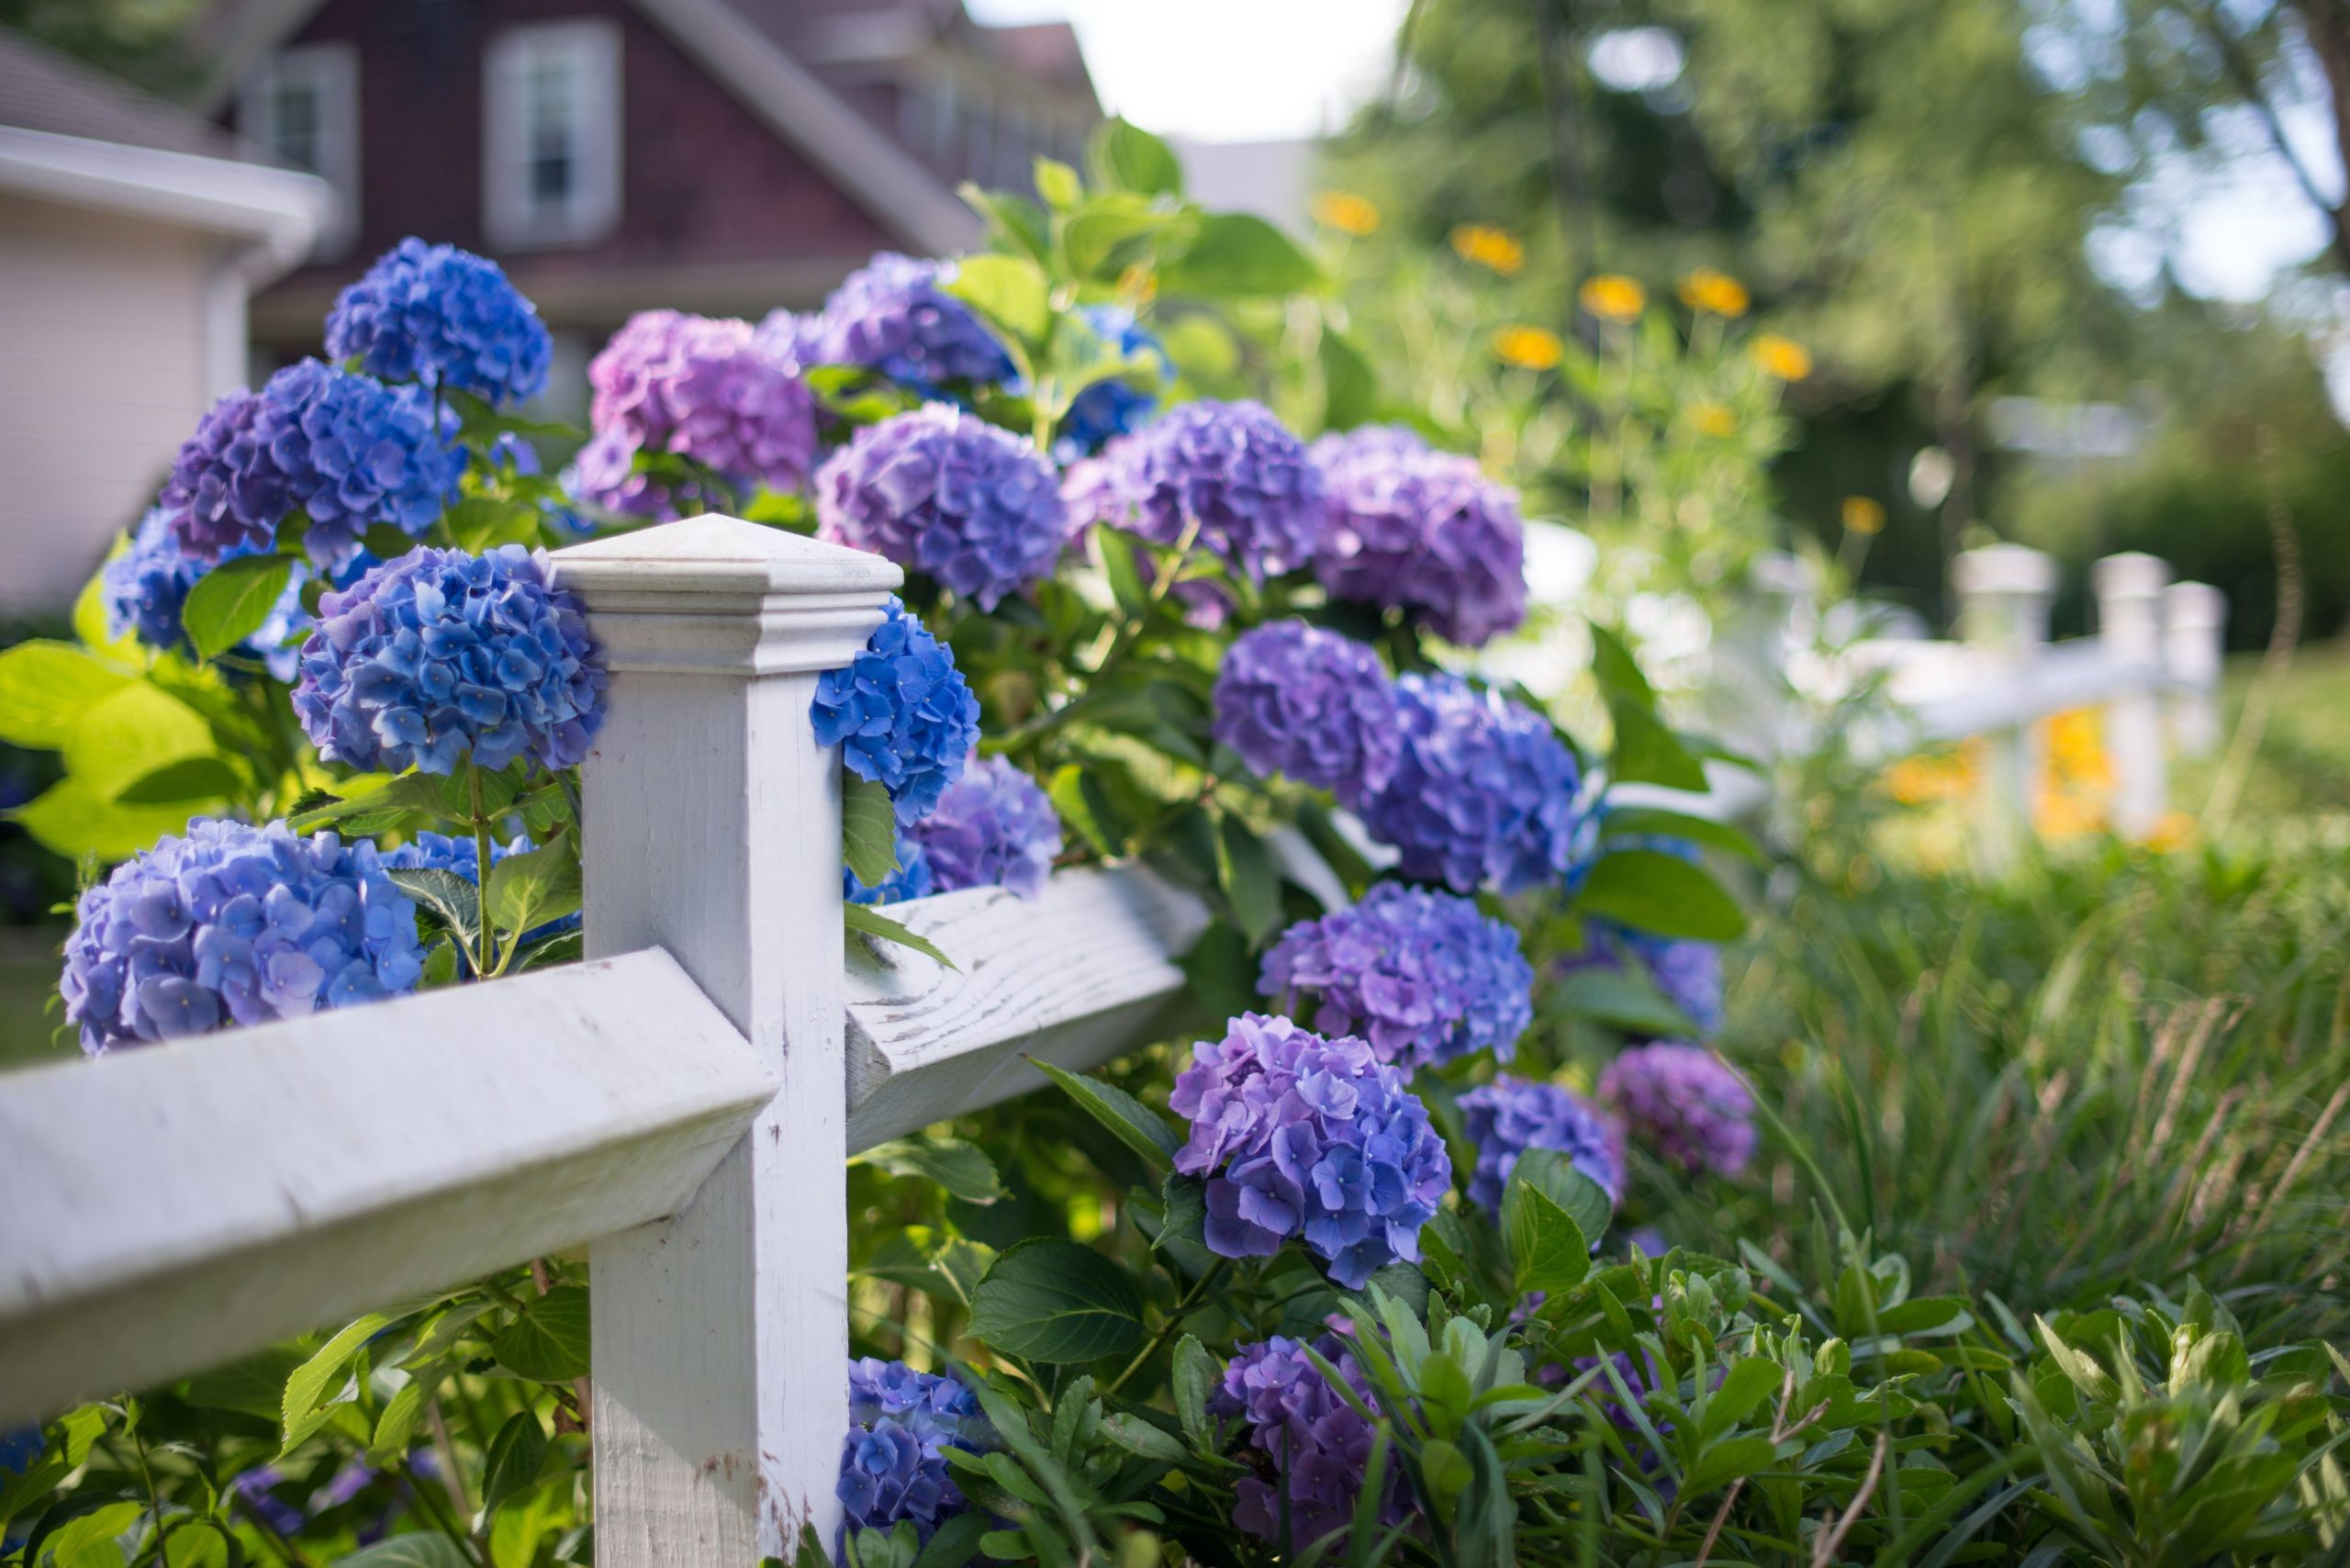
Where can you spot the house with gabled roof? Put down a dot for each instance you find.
(720, 156)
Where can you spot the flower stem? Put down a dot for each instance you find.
(487, 943)
(1174, 1320)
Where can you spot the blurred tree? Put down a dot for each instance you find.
(1911, 186)
(143, 41)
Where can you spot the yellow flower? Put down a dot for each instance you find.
(1864, 514)
(1920, 780)
(1347, 212)
(1612, 297)
(1529, 347)
(2060, 815)
(1782, 357)
(1718, 293)
(1496, 249)
(2173, 830)
(1712, 419)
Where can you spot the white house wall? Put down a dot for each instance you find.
(106, 366)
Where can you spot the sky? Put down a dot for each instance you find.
(1277, 70)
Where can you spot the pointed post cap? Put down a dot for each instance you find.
(715, 595)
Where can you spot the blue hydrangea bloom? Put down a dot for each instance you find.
(1510, 1116)
(890, 314)
(1684, 1105)
(146, 586)
(19, 1448)
(1117, 406)
(1232, 469)
(893, 1461)
(440, 655)
(1485, 791)
(1425, 977)
(234, 924)
(444, 316)
(1422, 530)
(1319, 1445)
(348, 450)
(1311, 704)
(944, 492)
(705, 390)
(910, 880)
(994, 828)
(1301, 1137)
(901, 713)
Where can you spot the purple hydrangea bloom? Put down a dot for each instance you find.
(444, 316)
(1117, 406)
(995, 828)
(234, 924)
(1510, 1116)
(948, 494)
(1422, 530)
(348, 450)
(893, 1461)
(1423, 976)
(1233, 469)
(1309, 703)
(1483, 792)
(1684, 1103)
(901, 713)
(440, 654)
(910, 880)
(146, 586)
(1303, 1136)
(890, 314)
(1319, 1445)
(701, 389)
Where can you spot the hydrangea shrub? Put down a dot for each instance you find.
(444, 316)
(1310, 704)
(992, 828)
(1425, 977)
(234, 924)
(1307, 1137)
(901, 712)
(1483, 792)
(949, 495)
(441, 657)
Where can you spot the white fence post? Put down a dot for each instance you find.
(714, 831)
(2130, 629)
(2195, 624)
(2004, 592)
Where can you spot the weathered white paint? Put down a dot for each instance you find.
(1073, 979)
(171, 1207)
(2130, 632)
(713, 830)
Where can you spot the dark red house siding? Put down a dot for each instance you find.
(706, 183)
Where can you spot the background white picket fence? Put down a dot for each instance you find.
(2151, 670)
(683, 1103)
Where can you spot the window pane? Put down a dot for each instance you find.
(552, 131)
(293, 114)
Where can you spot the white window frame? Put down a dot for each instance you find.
(509, 220)
(331, 72)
